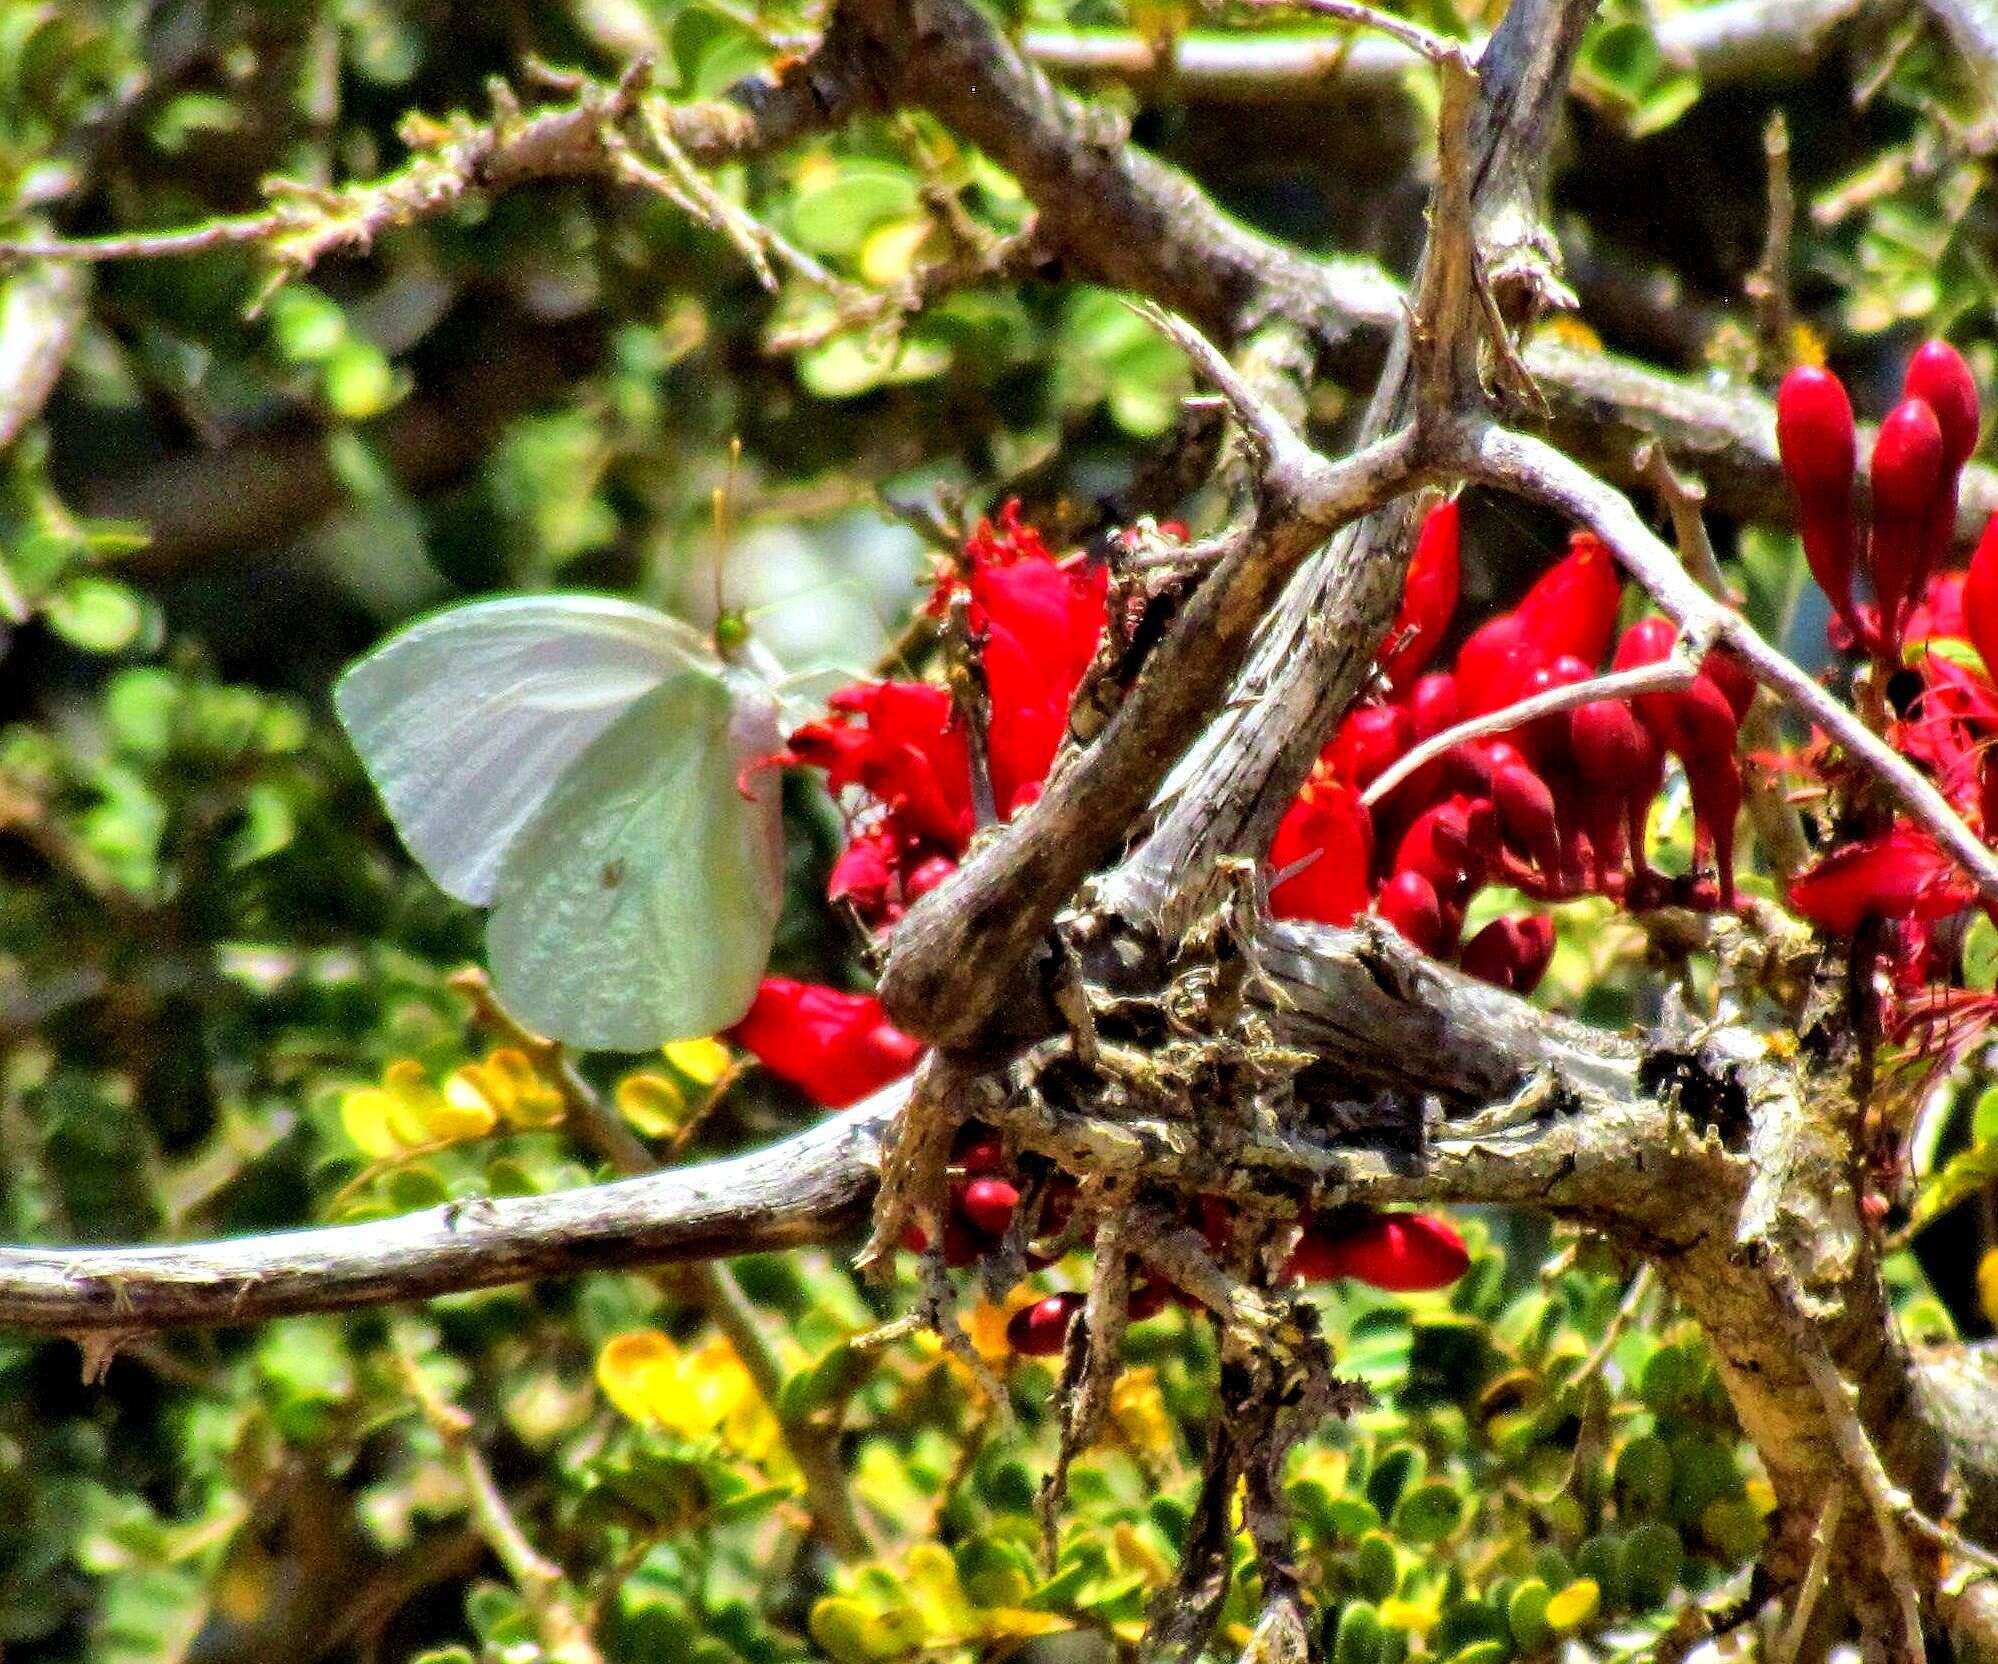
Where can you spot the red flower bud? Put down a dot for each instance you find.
(1527, 817)
(1907, 473)
(1443, 845)
(962, 1245)
(1618, 763)
(1428, 598)
(1938, 376)
(989, 1204)
(1041, 1330)
(1494, 661)
(1369, 739)
(1402, 1253)
(1432, 704)
(1814, 433)
(1714, 777)
(1732, 677)
(1980, 598)
(1408, 902)
(981, 1154)
(1899, 875)
(1511, 953)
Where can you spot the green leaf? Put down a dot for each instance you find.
(1980, 954)
(1652, 1560)
(1428, 1513)
(96, 614)
(1984, 1116)
(1526, 1615)
(1963, 1176)
(836, 217)
(1358, 1638)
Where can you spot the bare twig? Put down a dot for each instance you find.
(1769, 284)
(809, 1188)
(1887, 1502)
(579, 139)
(1831, 1520)
(1667, 676)
(544, 1587)
(40, 313)
(1424, 43)
(1735, 41)
(1641, 1284)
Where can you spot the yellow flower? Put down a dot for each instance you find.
(517, 1089)
(1416, 1617)
(467, 1111)
(652, 1104)
(1987, 1284)
(1138, 1408)
(1572, 332)
(407, 1113)
(1574, 1605)
(702, 1061)
(1132, 1550)
(985, 1324)
(889, 254)
(1807, 346)
(697, 1394)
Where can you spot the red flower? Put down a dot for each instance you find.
(1403, 1253)
(1428, 598)
(1980, 598)
(1814, 433)
(1370, 739)
(834, 1047)
(1328, 826)
(1899, 875)
(1938, 376)
(1572, 608)
(1040, 623)
(910, 757)
(1907, 477)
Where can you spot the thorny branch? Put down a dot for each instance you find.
(1535, 469)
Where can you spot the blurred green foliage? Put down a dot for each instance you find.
(209, 940)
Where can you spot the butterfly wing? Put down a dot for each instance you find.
(467, 720)
(639, 903)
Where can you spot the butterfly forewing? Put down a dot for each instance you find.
(468, 720)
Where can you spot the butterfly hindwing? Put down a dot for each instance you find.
(639, 902)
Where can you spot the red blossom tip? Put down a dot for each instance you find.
(1400, 1253)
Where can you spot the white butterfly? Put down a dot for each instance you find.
(578, 764)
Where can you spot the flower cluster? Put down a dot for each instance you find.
(896, 754)
(1555, 807)
(1931, 634)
